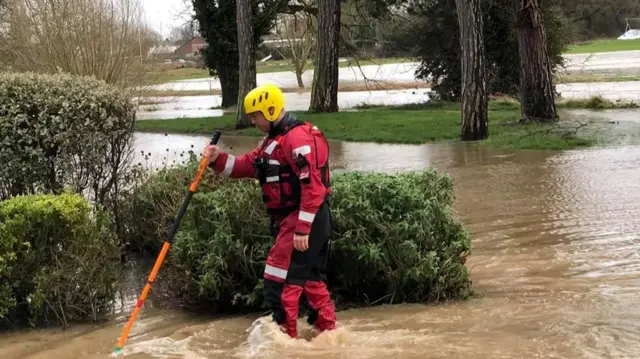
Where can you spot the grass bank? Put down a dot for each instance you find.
(603, 45)
(410, 124)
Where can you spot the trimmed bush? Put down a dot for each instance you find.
(64, 131)
(395, 239)
(59, 260)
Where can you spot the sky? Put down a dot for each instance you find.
(163, 15)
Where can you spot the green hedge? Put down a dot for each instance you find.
(59, 260)
(63, 131)
(395, 238)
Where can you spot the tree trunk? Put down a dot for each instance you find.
(537, 96)
(247, 58)
(474, 107)
(324, 91)
(299, 78)
(228, 76)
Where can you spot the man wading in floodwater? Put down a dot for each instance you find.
(292, 165)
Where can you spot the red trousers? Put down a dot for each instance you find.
(289, 273)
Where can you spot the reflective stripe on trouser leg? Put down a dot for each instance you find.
(281, 298)
(275, 272)
(279, 257)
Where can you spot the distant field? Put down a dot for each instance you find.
(604, 45)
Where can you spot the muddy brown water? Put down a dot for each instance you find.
(555, 262)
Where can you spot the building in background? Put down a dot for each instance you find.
(191, 48)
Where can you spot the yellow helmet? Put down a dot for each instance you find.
(263, 97)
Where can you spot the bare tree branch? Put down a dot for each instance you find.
(297, 34)
(106, 39)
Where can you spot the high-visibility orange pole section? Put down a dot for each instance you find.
(165, 246)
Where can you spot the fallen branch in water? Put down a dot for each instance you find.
(569, 131)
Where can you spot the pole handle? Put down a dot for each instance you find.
(215, 138)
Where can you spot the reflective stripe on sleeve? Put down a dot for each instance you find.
(302, 150)
(228, 167)
(306, 216)
(271, 147)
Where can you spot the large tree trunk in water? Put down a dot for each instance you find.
(324, 91)
(247, 57)
(474, 85)
(228, 76)
(537, 97)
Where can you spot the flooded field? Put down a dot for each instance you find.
(555, 264)
(622, 63)
(205, 106)
(619, 62)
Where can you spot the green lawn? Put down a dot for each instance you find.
(160, 76)
(603, 45)
(440, 122)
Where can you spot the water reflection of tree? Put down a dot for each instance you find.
(336, 156)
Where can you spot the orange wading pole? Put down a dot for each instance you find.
(165, 247)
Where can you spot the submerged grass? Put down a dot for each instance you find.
(603, 45)
(597, 103)
(408, 124)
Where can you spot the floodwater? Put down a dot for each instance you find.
(628, 61)
(166, 107)
(555, 262)
(612, 62)
(204, 106)
(401, 72)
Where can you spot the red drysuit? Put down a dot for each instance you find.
(292, 166)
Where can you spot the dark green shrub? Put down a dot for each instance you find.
(432, 31)
(157, 202)
(59, 259)
(395, 239)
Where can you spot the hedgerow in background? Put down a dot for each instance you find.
(395, 239)
(64, 131)
(59, 262)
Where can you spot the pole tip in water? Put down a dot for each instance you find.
(116, 351)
